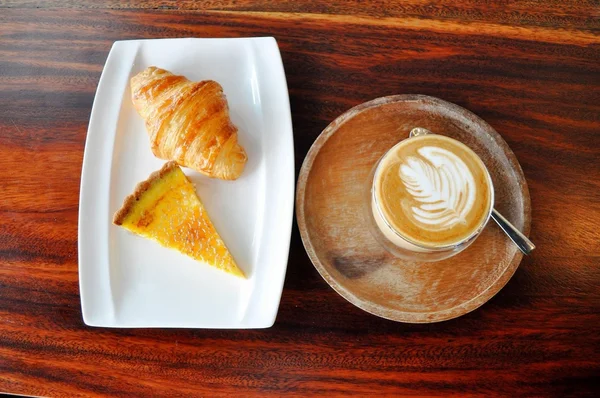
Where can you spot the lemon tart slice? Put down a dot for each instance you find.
(165, 208)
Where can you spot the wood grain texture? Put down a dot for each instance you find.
(529, 68)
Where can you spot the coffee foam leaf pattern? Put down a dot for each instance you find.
(441, 187)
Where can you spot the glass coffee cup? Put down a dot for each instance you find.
(429, 197)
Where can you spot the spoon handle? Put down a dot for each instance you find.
(522, 242)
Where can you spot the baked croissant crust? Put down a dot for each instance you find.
(188, 122)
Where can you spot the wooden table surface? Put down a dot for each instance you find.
(531, 68)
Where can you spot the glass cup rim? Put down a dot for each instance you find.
(472, 235)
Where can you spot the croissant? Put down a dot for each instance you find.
(188, 122)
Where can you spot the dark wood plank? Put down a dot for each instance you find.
(532, 70)
(582, 14)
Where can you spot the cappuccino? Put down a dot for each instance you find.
(431, 192)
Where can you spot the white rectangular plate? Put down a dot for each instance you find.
(129, 281)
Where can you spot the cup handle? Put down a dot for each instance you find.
(419, 131)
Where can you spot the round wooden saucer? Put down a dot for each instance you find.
(330, 199)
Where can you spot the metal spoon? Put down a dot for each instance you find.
(522, 242)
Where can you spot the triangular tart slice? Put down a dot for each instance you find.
(166, 208)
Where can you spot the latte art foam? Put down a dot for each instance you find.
(431, 190)
(442, 188)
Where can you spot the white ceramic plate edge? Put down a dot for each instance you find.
(284, 193)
